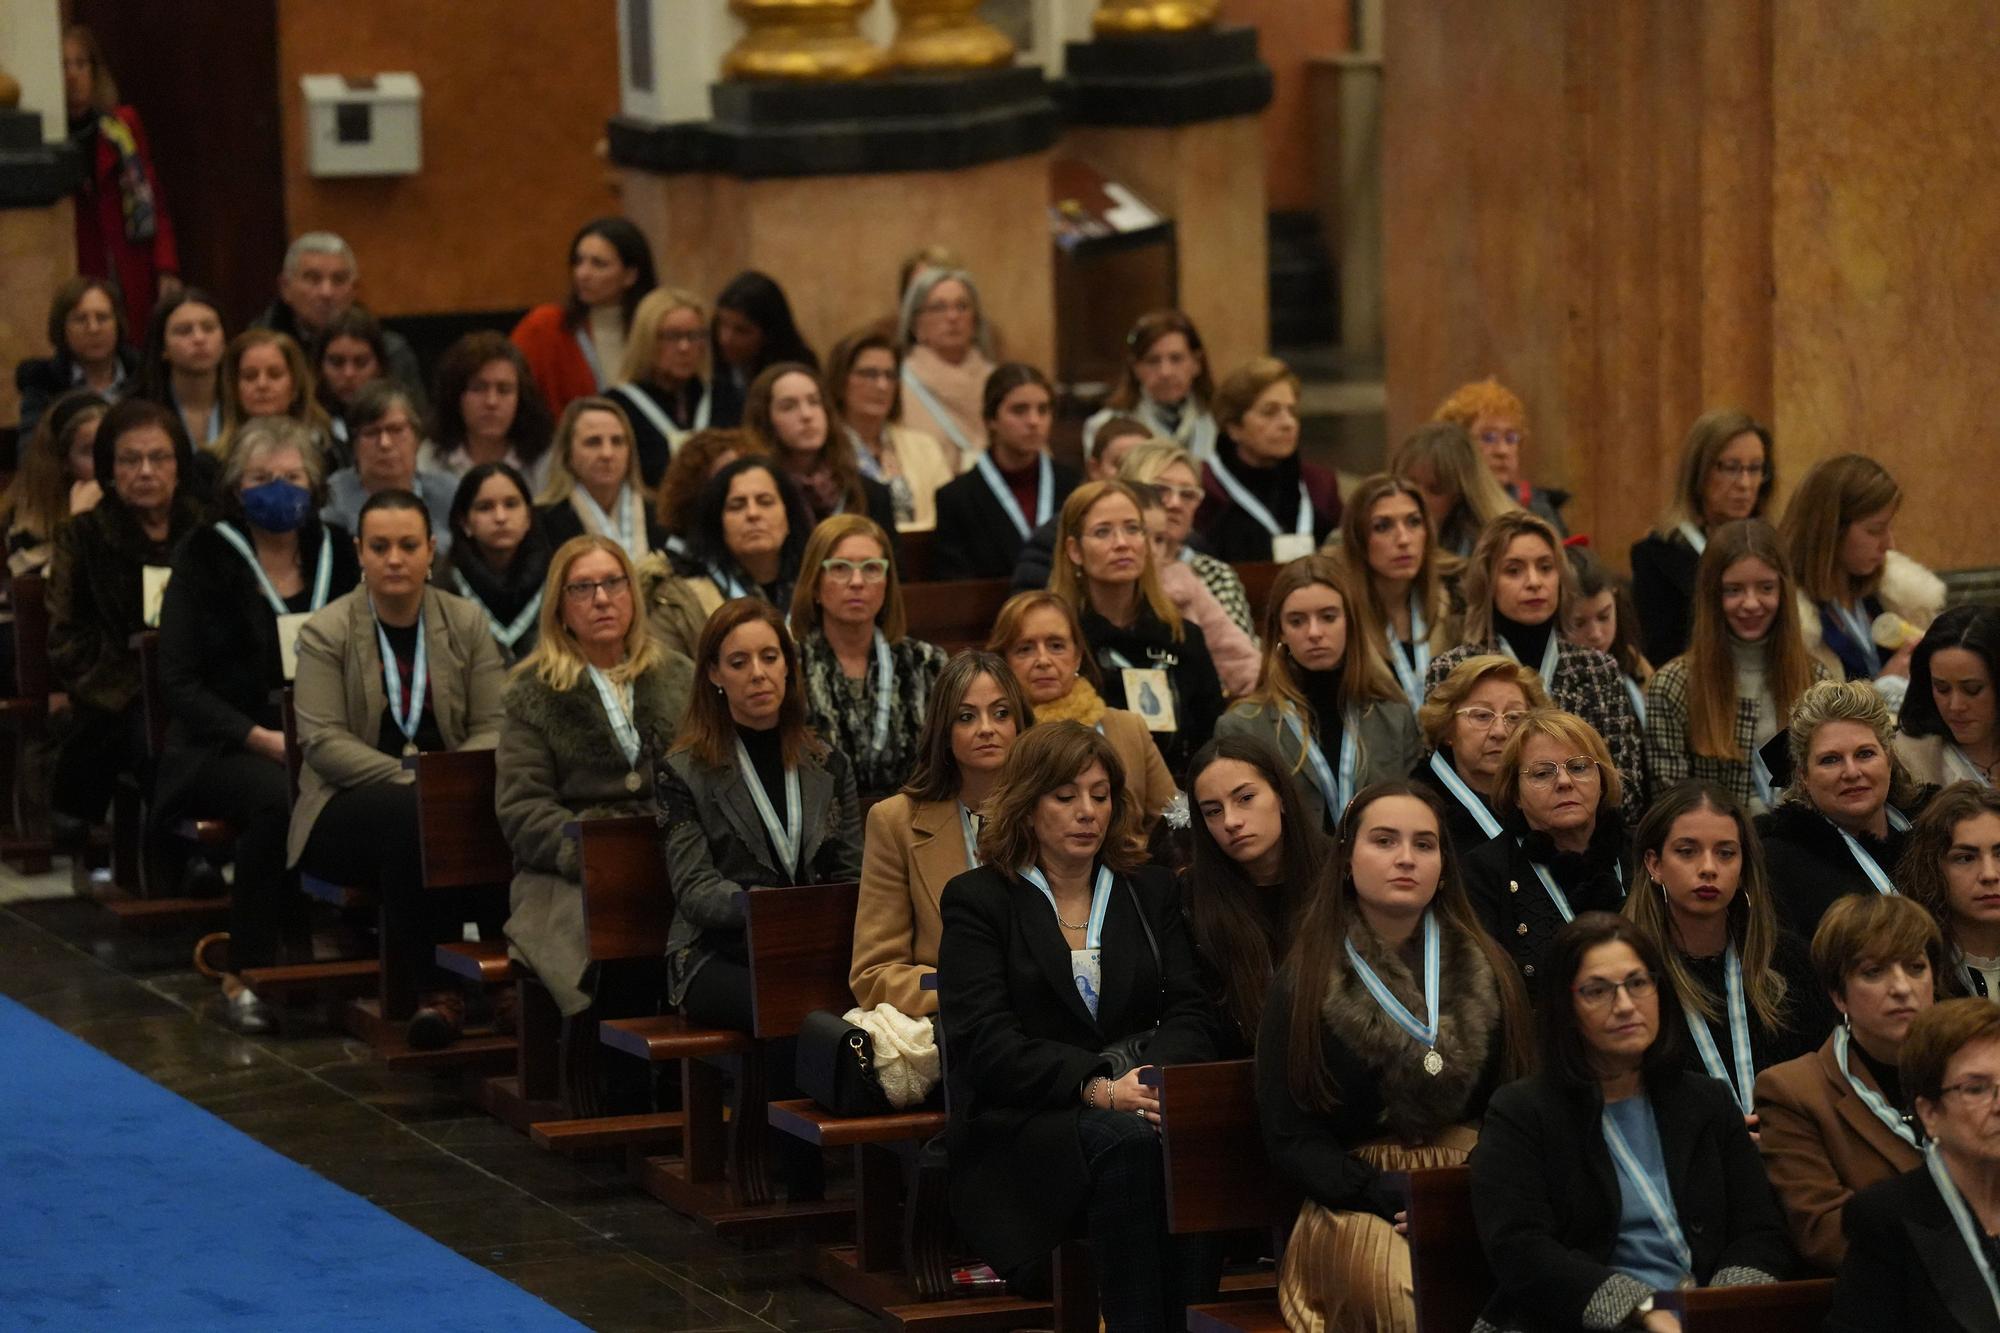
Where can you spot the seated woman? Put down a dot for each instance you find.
(1516, 588)
(1946, 731)
(1394, 1020)
(110, 566)
(677, 505)
(748, 797)
(1497, 420)
(753, 330)
(1839, 827)
(866, 682)
(180, 366)
(265, 374)
(1466, 722)
(1037, 635)
(660, 383)
(485, 408)
(927, 833)
(1324, 699)
(581, 722)
(749, 541)
(383, 429)
(1234, 652)
(86, 331)
(1831, 1123)
(1601, 617)
(346, 356)
(1402, 609)
(57, 481)
(864, 378)
(594, 486)
(1165, 385)
(498, 556)
(1561, 848)
(573, 350)
(229, 626)
(1153, 663)
(1710, 711)
(947, 360)
(1264, 501)
(786, 412)
(987, 516)
(1614, 1173)
(393, 668)
(1744, 986)
(1172, 471)
(1951, 865)
(1459, 491)
(1727, 473)
(1255, 857)
(1064, 969)
(1836, 532)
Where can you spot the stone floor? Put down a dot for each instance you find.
(576, 1234)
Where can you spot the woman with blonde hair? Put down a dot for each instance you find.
(864, 381)
(1039, 637)
(1324, 698)
(1390, 549)
(57, 480)
(1459, 491)
(1837, 535)
(1173, 472)
(582, 721)
(662, 383)
(1466, 722)
(1155, 663)
(1561, 846)
(1744, 985)
(1497, 421)
(866, 682)
(1710, 711)
(1727, 472)
(1264, 502)
(1951, 865)
(594, 485)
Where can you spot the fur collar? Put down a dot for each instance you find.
(574, 724)
(1081, 704)
(1416, 1105)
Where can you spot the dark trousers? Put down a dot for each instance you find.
(95, 746)
(265, 908)
(718, 995)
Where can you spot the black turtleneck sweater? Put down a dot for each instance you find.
(1236, 536)
(1529, 642)
(767, 756)
(1322, 692)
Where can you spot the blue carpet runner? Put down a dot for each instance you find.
(123, 1207)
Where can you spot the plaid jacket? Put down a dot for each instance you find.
(1670, 756)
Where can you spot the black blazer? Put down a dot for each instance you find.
(1465, 832)
(1906, 1267)
(1511, 902)
(1019, 1045)
(1808, 865)
(42, 380)
(1545, 1198)
(219, 657)
(975, 538)
(1663, 570)
(96, 598)
(560, 522)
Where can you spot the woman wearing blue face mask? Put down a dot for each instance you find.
(240, 590)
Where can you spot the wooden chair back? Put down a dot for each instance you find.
(1257, 576)
(457, 829)
(913, 563)
(288, 715)
(955, 616)
(627, 903)
(1218, 1178)
(800, 940)
(1447, 1266)
(33, 677)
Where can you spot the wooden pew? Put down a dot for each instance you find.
(913, 556)
(1257, 576)
(1781, 1307)
(955, 616)
(25, 843)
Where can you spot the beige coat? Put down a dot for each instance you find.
(912, 849)
(339, 697)
(927, 463)
(677, 609)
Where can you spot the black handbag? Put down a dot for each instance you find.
(1129, 1053)
(835, 1066)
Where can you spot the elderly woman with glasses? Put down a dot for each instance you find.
(1561, 845)
(1466, 723)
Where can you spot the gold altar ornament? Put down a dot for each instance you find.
(803, 40)
(1136, 18)
(946, 34)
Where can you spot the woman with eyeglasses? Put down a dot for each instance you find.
(1745, 986)
(947, 358)
(1614, 1173)
(1835, 1121)
(866, 682)
(1497, 420)
(749, 541)
(1727, 473)
(1951, 865)
(1466, 722)
(1920, 1245)
(581, 724)
(661, 384)
(1561, 846)
(864, 379)
(1390, 1026)
(1387, 543)
(1946, 731)
(1172, 471)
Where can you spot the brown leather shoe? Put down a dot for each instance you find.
(438, 1022)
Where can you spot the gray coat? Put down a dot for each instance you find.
(716, 846)
(558, 761)
(1387, 746)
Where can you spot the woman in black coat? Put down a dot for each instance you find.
(1613, 1173)
(1043, 973)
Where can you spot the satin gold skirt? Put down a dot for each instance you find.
(1349, 1272)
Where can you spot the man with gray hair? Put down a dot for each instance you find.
(316, 284)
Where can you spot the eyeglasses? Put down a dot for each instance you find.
(1597, 993)
(586, 590)
(685, 337)
(873, 374)
(1978, 1091)
(1493, 437)
(945, 308)
(388, 430)
(158, 462)
(1484, 718)
(1578, 767)
(843, 571)
(1741, 471)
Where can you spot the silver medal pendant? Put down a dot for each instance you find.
(409, 748)
(1433, 1063)
(632, 782)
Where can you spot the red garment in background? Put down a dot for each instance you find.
(101, 248)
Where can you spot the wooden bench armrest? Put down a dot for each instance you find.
(1774, 1307)
(808, 1120)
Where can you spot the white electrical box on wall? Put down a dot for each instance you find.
(365, 127)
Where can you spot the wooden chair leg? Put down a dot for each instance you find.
(537, 1041)
(1075, 1282)
(704, 1144)
(749, 1132)
(927, 1225)
(879, 1205)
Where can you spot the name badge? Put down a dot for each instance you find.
(289, 626)
(1289, 546)
(1148, 694)
(152, 591)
